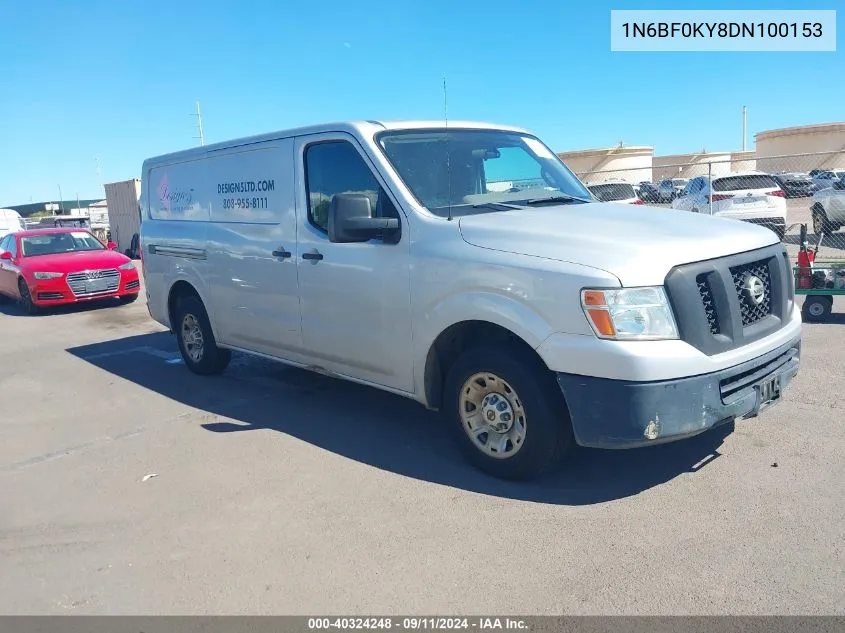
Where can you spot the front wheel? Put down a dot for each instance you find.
(817, 308)
(506, 412)
(26, 303)
(196, 340)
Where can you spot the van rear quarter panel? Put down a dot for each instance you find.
(175, 220)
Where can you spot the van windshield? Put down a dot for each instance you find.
(461, 171)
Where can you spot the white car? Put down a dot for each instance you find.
(10, 222)
(614, 191)
(533, 318)
(828, 208)
(670, 188)
(749, 196)
(827, 177)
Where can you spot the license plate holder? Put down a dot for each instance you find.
(768, 393)
(96, 285)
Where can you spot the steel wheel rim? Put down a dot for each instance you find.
(492, 415)
(815, 309)
(192, 338)
(818, 223)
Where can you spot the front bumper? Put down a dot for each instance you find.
(55, 292)
(609, 413)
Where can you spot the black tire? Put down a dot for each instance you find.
(25, 300)
(126, 299)
(821, 223)
(548, 432)
(211, 359)
(3, 298)
(817, 308)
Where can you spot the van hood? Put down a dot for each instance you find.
(637, 244)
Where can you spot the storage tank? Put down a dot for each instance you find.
(623, 162)
(124, 212)
(776, 149)
(743, 161)
(691, 165)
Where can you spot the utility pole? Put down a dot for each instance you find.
(201, 137)
(61, 203)
(744, 119)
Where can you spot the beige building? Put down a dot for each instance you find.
(691, 165)
(776, 149)
(631, 163)
(743, 161)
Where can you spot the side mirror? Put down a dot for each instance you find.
(6, 255)
(111, 246)
(351, 220)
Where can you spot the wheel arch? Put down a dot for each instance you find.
(453, 341)
(185, 288)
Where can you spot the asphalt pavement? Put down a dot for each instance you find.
(130, 486)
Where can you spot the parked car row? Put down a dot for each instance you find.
(751, 196)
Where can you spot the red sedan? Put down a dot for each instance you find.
(50, 267)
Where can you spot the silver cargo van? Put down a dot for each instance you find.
(466, 267)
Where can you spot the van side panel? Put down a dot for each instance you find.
(252, 247)
(173, 232)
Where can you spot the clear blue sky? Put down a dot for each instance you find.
(118, 80)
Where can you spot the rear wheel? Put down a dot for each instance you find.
(817, 308)
(25, 301)
(196, 340)
(506, 412)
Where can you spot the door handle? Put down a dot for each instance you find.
(313, 256)
(281, 253)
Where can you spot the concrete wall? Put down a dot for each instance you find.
(691, 165)
(626, 163)
(772, 145)
(124, 215)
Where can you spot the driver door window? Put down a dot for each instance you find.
(333, 167)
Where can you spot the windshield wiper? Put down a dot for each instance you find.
(555, 199)
(493, 205)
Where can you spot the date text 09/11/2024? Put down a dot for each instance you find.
(417, 623)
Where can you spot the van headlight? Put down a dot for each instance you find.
(127, 266)
(47, 275)
(630, 314)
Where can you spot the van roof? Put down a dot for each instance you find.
(363, 128)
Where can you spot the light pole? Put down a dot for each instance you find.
(61, 203)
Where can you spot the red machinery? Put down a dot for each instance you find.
(806, 258)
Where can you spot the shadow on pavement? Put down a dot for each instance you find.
(380, 429)
(10, 307)
(833, 244)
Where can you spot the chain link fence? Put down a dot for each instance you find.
(780, 192)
